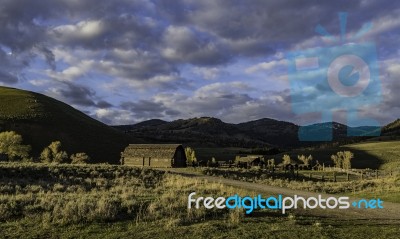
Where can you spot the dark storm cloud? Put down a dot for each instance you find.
(136, 64)
(10, 65)
(145, 44)
(197, 32)
(104, 104)
(261, 27)
(22, 33)
(144, 108)
(78, 94)
(81, 95)
(7, 78)
(147, 109)
(184, 45)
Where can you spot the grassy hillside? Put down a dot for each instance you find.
(41, 120)
(392, 128)
(374, 155)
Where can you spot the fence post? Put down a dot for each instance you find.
(376, 173)
(309, 175)
(348, 176)
(334, 176)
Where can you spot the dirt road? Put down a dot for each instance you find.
(389, 214)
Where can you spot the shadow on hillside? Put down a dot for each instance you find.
(363, 159)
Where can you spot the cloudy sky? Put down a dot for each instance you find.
(126, 61)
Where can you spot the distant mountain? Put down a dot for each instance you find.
(271, 131)
(208, 131)
(204, 131)
(41, 120)
(147, 123)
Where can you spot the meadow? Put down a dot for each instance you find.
(108, 201)
(387, 188)
(383, 155)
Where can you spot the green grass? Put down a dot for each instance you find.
(264, 227)
(387, 153)
(370, 154)
(383, 195)
(77, 201)
(374, 155)
(41, 120)
(17, 104)
(387, 188)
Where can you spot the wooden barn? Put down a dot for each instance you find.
(154, 155)
(248, 161)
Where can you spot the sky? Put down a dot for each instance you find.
(127, 61)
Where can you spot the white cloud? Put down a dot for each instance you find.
(114, 116)
(82, 30)
(207, 73)
(266, 66)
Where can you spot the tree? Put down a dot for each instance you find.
(336, 160)
(11, 145)
(342, 159)
(286, 159)
(190, 156)
(80, 158)
(306, 160)
(46, 156)
(347, 157)
(53, 153)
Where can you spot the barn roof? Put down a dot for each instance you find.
(151, 150)
(249, 158)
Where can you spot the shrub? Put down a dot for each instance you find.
(80, 158)
(11, 146)
(53, 153)
(190, 156)
(286, 159)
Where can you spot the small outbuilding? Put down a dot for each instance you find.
(154, 155)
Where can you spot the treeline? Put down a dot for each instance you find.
(13, 149)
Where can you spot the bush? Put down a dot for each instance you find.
(12, 147)
(190, 156)
(80, 158)
(53, 153)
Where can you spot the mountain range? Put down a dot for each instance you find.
(212, 132)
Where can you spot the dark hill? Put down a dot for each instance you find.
(392, 128)
(147, 123)
(203, 131)
(41, 120)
